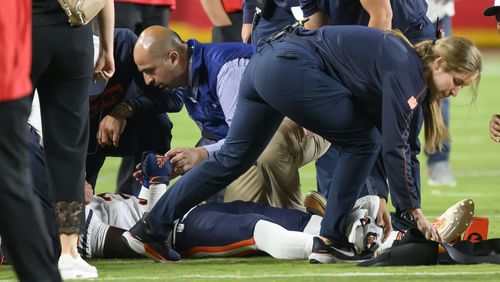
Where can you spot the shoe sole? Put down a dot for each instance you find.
(314, 203)
(318, 258)
(456, 225)
(75, 274)
(143, 249)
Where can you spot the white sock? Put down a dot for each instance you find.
(281, 243)
(144, 194)
(155, 193)
(314, 225)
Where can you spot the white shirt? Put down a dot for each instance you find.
(228, 86)
(440, 9)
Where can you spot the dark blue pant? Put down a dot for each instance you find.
(41, 187)
(284, 79)
(223, 224)
(142, 133)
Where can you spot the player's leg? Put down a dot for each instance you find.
(290, 219)
(208, 232)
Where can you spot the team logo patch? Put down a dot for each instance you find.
(412, 102)
(160, 160)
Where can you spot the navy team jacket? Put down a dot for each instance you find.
(388, 80)
(408, 15)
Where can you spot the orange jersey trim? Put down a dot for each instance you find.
(238, 249)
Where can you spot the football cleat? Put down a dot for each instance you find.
(75, 268)
(323, 253)
(455, 220)
(156, 169)
(315, 203)
(140, 241)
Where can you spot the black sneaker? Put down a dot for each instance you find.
(323, 253)
(140, 241)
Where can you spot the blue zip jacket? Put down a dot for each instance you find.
(388, 80)
(202, 102)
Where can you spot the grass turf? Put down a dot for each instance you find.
(476, 164)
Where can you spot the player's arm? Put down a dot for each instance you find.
(380, 12)
(215, 12)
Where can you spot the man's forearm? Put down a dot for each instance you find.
(122, 111)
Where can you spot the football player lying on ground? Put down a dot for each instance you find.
(237, 228)
(216, 229)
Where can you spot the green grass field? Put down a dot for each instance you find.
(476, 165)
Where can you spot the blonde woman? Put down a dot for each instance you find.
(362, 89)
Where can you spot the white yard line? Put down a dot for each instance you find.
(267, 276)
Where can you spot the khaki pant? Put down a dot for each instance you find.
(274, 179)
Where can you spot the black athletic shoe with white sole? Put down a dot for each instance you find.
(323, 253)
(140, 241)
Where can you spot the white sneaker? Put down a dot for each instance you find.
(75, 268)
(455, 220)
(440, 175)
